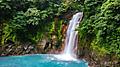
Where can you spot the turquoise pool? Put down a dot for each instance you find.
(38, 60)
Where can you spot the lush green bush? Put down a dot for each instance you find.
(28, 26)
(100, 27)
(30, 20)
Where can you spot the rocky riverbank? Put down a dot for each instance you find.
(90, 57)
(98, 61)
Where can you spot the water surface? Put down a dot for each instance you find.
(38, 60)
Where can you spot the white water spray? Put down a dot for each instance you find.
(71, 38)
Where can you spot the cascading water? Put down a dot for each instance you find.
(71, 38)
(51, 60)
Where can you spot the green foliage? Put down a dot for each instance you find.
(31, 20)
(27, 26)
(100, 26)
(108, 37)
(59, 29)
(8, 8)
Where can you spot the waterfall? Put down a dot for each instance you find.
(71, 38)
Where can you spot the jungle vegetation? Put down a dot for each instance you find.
(29, 21)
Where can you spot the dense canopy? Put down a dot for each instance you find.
(31, 21)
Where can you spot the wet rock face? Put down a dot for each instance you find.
(44, 46)
(41, 44)
(96, 61)
(11, 49)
